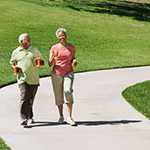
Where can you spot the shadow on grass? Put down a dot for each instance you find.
(138, 11)
(85, 123)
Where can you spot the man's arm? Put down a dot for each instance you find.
(39, 61)
(13, 63)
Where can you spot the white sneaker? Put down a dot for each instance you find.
(30, 121)
(71, 122)
(61, 119)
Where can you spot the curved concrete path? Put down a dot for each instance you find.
(106, 121)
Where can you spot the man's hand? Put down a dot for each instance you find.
(16, 69)
(39, 62)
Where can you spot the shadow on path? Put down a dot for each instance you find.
(43, 124)
(96, 123)
(85, 123)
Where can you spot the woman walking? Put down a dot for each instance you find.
(62, 59)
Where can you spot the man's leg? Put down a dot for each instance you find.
(33, 90)
(24, 94)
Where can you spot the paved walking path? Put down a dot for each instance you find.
(106, 121)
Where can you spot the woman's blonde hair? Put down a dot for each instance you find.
(61, 30)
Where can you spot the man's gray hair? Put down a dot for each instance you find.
(22, 37)
(61, 30)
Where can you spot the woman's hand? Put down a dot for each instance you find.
(51, 60)
(74, 63)
(50, 63)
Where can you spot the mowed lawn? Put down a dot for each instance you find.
(3, 146)
(102, 40)
(139, 96)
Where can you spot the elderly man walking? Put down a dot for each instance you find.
(25, 60)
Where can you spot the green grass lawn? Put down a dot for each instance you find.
(103, 40)
(3, 146)
(139, 96)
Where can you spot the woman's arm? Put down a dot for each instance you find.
(51, 58)
(74, 61)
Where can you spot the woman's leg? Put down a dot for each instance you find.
(70, 119)
(57, 82)
(60, 109)
(61, 116)
(68, 90)
(70, 107)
